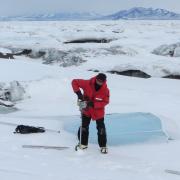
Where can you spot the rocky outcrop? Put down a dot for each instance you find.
(51, 55)
(132, 73)
(23, 52)
(94, 70)
(11, 55)
(89, 40)
(172, 76)
(6, 56)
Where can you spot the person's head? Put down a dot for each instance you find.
(100, 79)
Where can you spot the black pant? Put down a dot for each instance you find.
(102, 139)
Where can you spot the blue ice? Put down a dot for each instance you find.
(124, 129)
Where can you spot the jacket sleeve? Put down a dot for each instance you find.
(77, 84)
(104, 102)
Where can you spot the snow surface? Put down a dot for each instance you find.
(51, 101)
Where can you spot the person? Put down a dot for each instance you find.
(92, 104)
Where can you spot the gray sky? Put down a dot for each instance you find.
(14, 7)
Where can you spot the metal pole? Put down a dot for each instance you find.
(80, 139)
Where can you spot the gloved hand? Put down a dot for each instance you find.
(82, 104)
(79, 95)
(90, 104)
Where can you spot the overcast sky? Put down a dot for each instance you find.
(14, 7)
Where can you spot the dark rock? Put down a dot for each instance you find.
(24, 52)
(88, 40)
(171, 53)
(11, 55)
(6, 56)
(41, 53)
(172, 76)
(132, 73)
(115, 31)
(94, 70)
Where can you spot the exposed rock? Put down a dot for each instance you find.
(52, 55)
(172, 76)
(132, 73)
(11, 55)
(6, 56)
(24, 52)
(115, 31)
(171, 53)
(74, 56)
(94, 70)
(89, 40)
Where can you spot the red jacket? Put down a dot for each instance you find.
(100, 98)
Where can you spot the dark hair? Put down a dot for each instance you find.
(101, 77)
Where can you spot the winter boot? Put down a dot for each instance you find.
(80, 146)
(104, 150)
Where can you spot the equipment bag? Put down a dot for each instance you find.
(22, 129)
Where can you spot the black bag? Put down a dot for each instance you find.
(22, 129)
